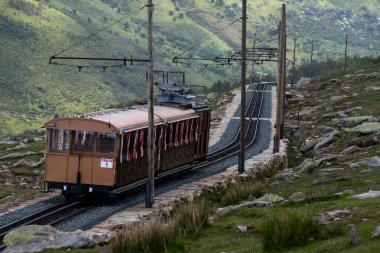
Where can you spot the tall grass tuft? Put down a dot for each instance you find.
(289, 230)
(187, 220)
(241, 191)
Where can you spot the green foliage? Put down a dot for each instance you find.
(283, 231)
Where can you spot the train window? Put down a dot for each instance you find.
(84, 141)
(59, 140)
(106, 143)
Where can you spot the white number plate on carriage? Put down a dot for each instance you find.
(106, 163)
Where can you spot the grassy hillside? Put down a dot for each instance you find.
(31, 31)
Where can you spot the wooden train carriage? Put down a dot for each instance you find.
(101, 151)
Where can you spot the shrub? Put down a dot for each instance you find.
(289, 230)
(187, 220)
(241, 191)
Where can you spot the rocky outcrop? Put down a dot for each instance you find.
(373, 161)
(354, 121)
(267, 200)
(365, 128)
(325, 217)
(308, 165)
(350, 150)
(17, 155)
(367, 195)
(35, 238)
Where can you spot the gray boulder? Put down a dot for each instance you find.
(373, 161)
(303, 81)
(330, 171)
(8, 142)
(326, 140)
(325, 217)
(367, 195)
(365, 128)
(242, 229)
(17, 155)
(375, 233)
(354, 121)
(350, 150)
(345, 192)
(307, 145)
(371, 89)
(324, 129)
(286, 175)
(308, 165)
(267, 200)
(18, 147)
(35, 238)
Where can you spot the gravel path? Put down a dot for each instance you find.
(30, 209)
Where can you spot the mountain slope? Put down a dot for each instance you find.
(31, 31)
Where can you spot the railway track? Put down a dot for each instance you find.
(64, 211)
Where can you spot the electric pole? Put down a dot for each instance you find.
(345, 53)
(294, 61)
(253, 57)
(149, 196)
(311, 57)
(243, 84)
(280, 82)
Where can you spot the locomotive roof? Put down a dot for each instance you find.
(119, 120)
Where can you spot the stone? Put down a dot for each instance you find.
(353, 234)
(34, 238)
(341, 179)
(303, 81)
(324, 129)
(35, 139)
(318, 181)
(308, 165)
(335, 81)
(326, 140)
(374, 75)
(366, 171)
(354, 121)
(286, 175)
(325, 172)
(367, 195)
(371, 89)
(375, 233)
(325, 217)
(345, 192)
(267, 200)
(18, 147)
(350, 150)
(365, 128)
(307, 145)
(211, 219)
(16, 155)
(242, 229)
(373, 161)
(337, 99)
(297, 196)
(225, 210)
(8, 143)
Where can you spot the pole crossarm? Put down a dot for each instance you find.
(123, 60)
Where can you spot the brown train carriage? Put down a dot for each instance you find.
(101, 151)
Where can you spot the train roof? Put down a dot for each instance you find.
(122, 120)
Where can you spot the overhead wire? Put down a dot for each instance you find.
(101, 30)
(209, 37)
